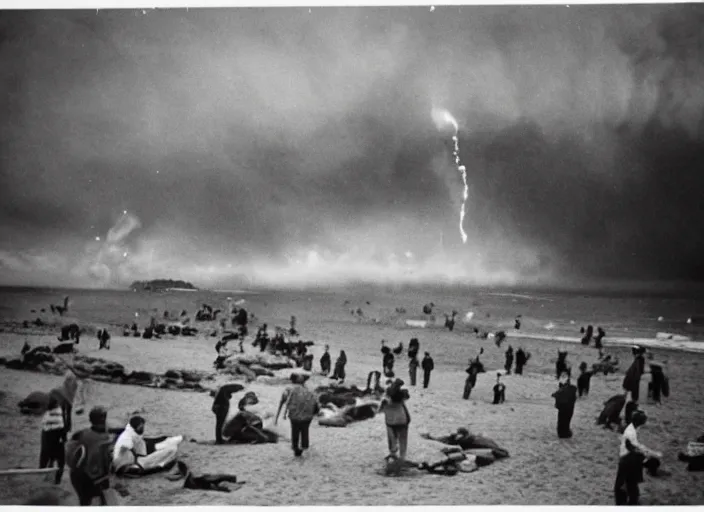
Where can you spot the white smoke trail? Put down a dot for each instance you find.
(441, 117)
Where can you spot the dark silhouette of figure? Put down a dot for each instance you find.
(509, 360)
(428, 366)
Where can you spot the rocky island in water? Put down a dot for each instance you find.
(162, 285)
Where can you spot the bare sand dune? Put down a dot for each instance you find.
(341, 468)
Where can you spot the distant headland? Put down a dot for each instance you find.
(161, 285)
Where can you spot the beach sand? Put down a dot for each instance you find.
(341, 466)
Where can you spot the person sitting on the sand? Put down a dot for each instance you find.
(339, 373)
(325, 361)
(499, 391)
(130, 452)
(632, 457)
(221, 408)
(583, 380)
(53, 439)
(246, 427)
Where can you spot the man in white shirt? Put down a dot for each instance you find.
(632, 455)
(131, 455)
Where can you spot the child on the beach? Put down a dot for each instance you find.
(53, 439)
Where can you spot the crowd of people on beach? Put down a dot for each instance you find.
(96, 453)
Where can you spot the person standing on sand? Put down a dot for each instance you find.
(509, 360)
(397, 419)
(632, 455)
(631, 381)
(301, 407)
(413, 369)
(325, 361)
(499, 391)
(221, 408)
(88, 457)
(565, 399)
(521, 360)
(583, 380)
(428, 366)
(53, 440)
(339, 373)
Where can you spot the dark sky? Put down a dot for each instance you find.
(298, 146)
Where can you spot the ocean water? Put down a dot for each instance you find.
(558, 313)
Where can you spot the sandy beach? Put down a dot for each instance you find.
(341, 467)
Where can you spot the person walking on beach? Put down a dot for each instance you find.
(509, 360)
(325, 361)
(221, 408)
(565, 399)
(632, 456)
(428, 366)
(413, 369)
(301, 407)
(397, 420)
(53, 440)
(89, 459)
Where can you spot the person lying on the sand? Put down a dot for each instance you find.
(331, 415)
(204, 482)
(130, 455)
(468, 441)
(246, 427)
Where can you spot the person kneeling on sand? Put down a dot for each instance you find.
(633, 456)
(397, 420)
(301, 407)
(131, 455)
(246, 427)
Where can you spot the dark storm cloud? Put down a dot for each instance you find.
(298, 146)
